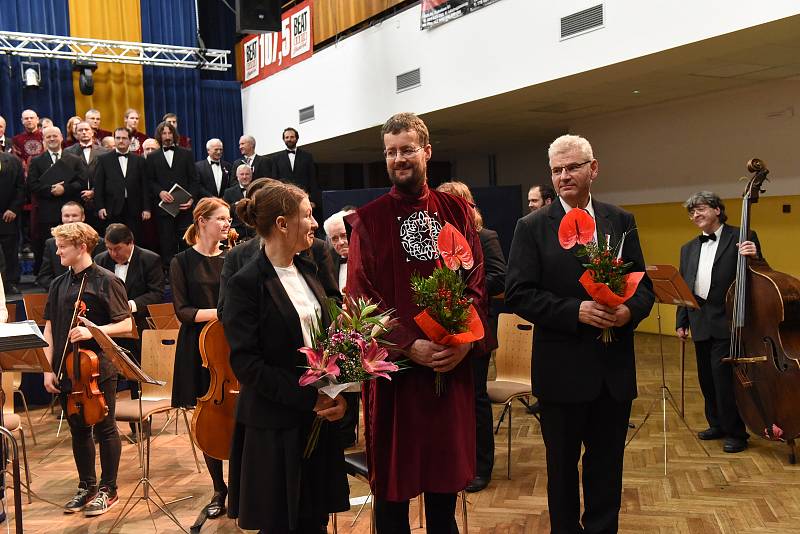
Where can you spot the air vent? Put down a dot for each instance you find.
(408, 80)
(582, 21)
(306, 114)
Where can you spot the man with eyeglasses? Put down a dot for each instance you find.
(417, 441)
(585, 387)
(708, 264)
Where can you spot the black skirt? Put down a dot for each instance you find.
(271, 487)
(190, 379)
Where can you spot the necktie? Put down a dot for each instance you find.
(705, 238)
(56, 156)
(214, 162)
(3, 143)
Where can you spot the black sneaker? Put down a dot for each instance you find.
(80, 500)
(101, 503)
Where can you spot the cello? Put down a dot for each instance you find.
(764, 308)
(213, 420)
(86, 404)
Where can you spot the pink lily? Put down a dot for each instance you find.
(373, 359)
(319, 365)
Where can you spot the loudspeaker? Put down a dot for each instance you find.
(258, 16)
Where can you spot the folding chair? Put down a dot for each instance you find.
(162, 316)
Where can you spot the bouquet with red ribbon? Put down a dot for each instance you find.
(606, 278)
(448, 316)
(350, 351)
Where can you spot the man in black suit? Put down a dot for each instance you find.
(51, 267)
(235, 193)
(6, 144)
(166, 167)
(121, 192)
(260, 165)
(585, 387)
(53, 184)
(213, 172)
(297, 166)
(12, 197)
(708, 264)
(88, 149)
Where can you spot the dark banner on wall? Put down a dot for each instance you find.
(435, 12)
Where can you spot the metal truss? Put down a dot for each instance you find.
(105, 51)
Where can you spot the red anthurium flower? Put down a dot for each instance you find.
(319, 366)
(577, 227)
(373, 359)
(454, 248)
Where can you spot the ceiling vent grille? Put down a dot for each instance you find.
(408, 80)
(582, 22)
(306, 114)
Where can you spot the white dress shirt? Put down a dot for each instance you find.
(217, 171)
(123, 165)
(121, 272)
(303, 299)
(705, 265)
(291, 159)
(55, 156)
(87, 153)
(168, 155)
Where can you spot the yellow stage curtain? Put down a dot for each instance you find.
(116, 87)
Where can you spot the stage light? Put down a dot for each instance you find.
(85, 80)
(31, 76)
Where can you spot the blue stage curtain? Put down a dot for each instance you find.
(171, 89)
(222, 117)
(54, 98)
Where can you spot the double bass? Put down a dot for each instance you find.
(213, 420)
(764, 307)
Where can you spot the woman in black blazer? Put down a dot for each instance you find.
(270, 305)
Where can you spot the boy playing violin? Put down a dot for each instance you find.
(104, 303)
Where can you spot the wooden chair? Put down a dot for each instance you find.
(34, 307)
(158, 360)
(13, 423)
(162, 316)
(513, 361)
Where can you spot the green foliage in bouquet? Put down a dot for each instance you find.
(442, 295)
(604, 265)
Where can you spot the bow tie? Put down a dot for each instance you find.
(214, 162)
(704, 238)
(121, 155)
(168, 148)
(290, 151)
(342, 259)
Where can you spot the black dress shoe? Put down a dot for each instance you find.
(216, 507)
(711, 433)
(477, 484)
(733, 445)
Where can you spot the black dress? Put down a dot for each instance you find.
(195, 280)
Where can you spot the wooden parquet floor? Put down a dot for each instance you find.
(705, 491)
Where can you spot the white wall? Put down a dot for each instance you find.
(506, 46)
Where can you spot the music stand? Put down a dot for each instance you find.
(20, 350)
(131, 370)
(669, 288)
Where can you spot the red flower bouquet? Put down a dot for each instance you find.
(606, 278)
(448, 316)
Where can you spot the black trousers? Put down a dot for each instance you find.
(601, 426)
(10, 245)
(130, 219)
(83, 449)
(484, 434)
(348, 425)
(170, 234)
(391, 517)
(716, 383)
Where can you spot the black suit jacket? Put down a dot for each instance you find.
(12, 190)
(494, 262)
(162, 177)
(264, 334)
(208, 187)
(144, 282)
(232, 195)
(710, 321)
(304, 173)
(110, 185)
(70, 169)
(570, 363)
(7, 144)
(97, 151)
(262, 167)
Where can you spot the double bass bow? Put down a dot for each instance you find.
(86, 404)
(764, 307)
(213, 420)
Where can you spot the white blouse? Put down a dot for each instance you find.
(305, 303)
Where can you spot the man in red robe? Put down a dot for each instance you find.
(29, 143)
(417, 441)
(137, 137)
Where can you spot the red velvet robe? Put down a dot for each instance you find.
(416, 441)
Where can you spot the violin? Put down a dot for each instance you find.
(213, 420)
(764, 308)
(86, 404)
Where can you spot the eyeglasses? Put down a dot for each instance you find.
(405, 153)
(702, 208)
(572, 167)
